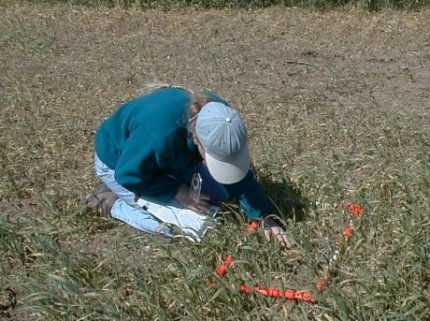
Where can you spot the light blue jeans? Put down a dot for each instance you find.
(125, 208)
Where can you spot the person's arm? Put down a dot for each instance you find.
(256, 205)
(253, 201)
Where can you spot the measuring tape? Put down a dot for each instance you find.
(305, 296)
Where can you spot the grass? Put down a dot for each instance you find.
(336, 111)
(371, 5)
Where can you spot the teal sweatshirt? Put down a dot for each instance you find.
(146, 139)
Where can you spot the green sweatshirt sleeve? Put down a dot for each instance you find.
(253, 201)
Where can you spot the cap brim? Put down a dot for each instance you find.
(232, 171)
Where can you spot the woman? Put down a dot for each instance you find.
(152, 147)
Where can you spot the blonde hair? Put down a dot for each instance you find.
(198, 100)
(151, 87)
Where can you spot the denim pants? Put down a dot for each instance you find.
(125, 208)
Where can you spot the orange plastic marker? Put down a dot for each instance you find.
(348, 230)
(322, 283)
(355, 209)
(253, 226)
(222, 269)
(305, 296)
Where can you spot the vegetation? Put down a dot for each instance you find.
(253, 4)
(337, 106)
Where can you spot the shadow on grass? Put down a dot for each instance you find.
(288, 199)
(289, 202)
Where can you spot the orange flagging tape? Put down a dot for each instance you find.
(253, 226)
(348, 230)
(355, 209)
(322, 283)
(222, 269)
(306, 296)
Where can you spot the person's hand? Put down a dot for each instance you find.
(183, 197)
(273, 230)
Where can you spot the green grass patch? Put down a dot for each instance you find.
(337, 112)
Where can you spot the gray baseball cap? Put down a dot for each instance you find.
(223, 136)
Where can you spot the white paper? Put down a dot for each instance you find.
(193, 224)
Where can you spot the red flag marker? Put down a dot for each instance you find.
(253, 226)
(355, 209)
(348, 230)
(222, 269)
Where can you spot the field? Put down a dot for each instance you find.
(337, 105)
